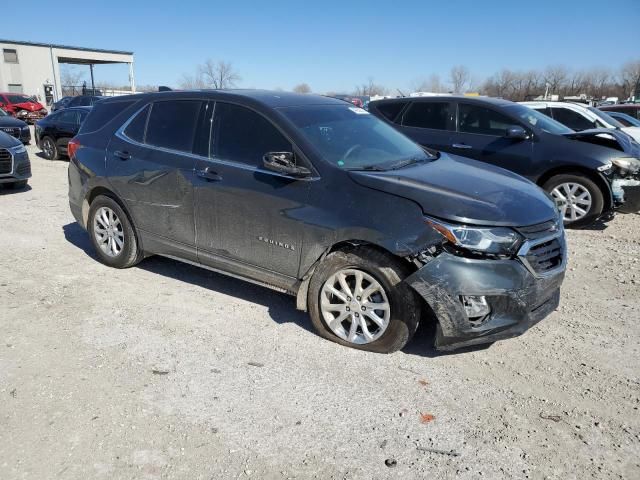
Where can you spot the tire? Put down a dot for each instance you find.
(559, 184)
(120, 256)
(49, 148)
(405, 308)
(17, 185)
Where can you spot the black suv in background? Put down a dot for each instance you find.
(55, 130)
(14, 127)
(587, 173)
(314, 197)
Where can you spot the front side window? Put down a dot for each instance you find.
(10, 55)
(352, 139)
(68, 116)
(572, 119)
(244, 136)
(535, 119)
(434, 115)
(481, 120)
(172, 124)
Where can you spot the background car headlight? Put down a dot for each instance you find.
(25, 128)
(18, 149)
(489, 240)
(627, 164)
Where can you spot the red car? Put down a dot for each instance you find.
(22, 106)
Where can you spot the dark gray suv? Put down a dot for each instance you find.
(15, 166)
(314, 197)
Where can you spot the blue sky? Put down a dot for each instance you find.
(336, 45)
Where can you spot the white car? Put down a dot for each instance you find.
(579, 117)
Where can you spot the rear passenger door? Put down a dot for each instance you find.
(429, 123)
(248, 217)
(481, 135)
(150, 163)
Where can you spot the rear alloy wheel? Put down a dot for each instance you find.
(357, 298)
(578, 198)
(49, 149)
(112, 234)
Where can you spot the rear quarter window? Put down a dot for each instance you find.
(390, 110)
(103, 113)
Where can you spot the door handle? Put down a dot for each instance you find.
(209, 175)
(461, 145)
(122, 155)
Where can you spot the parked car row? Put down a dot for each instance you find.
(589, 173)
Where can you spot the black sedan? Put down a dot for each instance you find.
(54, 131)
(14, 127)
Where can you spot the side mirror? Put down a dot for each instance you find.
(285, 163)
(516, 133)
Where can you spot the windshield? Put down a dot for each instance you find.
(539, 120)
(627, 120)
(352, 139)
(19, 98)
(606, 118)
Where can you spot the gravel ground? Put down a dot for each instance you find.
(170, 371)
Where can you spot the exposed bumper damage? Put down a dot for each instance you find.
(517, 298)
(625, 187)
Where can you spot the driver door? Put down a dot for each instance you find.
(481, 135)
(247, 217)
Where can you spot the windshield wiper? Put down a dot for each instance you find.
(407, 162)
(369, 168)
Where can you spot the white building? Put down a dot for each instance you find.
(34, 68)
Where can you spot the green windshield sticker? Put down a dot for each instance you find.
(340, 163)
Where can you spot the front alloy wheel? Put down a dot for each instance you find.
(355, 306)
(573, 199)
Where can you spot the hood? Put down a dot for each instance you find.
(466, 191)
(9, 121)
(31, 106)
(610, 138)
(7, 141)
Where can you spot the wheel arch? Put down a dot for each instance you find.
(342, 245)
(596, 177)
(107, 192)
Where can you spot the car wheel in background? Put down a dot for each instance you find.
(49, 148)
(579, 199)
(112, 234)
(357, 299)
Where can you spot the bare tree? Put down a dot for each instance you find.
(459, 77)
(302, 88)
(431, 84)
(70, 75)
(218, 74)
(370, 89)
(211, 74)
(555, 77)
(630, 78)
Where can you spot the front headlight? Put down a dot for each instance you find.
(487, 240)
(627, 165)
(25, 128)
(18, 149)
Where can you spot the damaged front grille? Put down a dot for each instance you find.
(544, 252)
(545, 256)
(5, 161)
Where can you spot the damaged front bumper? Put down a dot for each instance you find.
(626, 194)
(517, 296)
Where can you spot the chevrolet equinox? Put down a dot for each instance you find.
(314, 197)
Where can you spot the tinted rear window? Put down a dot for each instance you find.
(391, 110)
(102, 113)
(172, 124)
(433, 115)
